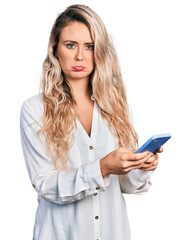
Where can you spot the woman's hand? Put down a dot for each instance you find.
(122, 161)
(152, 163)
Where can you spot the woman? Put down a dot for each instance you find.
(77, 138)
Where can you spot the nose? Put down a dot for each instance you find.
(79, 54)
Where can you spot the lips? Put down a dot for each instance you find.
(78, 68)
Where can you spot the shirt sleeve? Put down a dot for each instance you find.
(55, 186)
(135, 182)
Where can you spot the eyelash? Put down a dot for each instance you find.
(90, 47)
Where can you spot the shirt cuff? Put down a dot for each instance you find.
(142, 175)
(94, 177)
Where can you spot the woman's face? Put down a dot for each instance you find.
(76, 51)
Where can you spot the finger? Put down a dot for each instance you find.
(142, 155)
(150, 166)
(139, 163)
(147, 165)
(149, 169)
(138, 156)
(152, 158)
(160, 150)
(134, 163)
(134, 167)
(149, 158)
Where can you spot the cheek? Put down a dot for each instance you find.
(91, 59)
(63, 56)
(64, 59)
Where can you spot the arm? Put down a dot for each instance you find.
(129, 168)
(138, 181)
(135, 182)
(54, 186)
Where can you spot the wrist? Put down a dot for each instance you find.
(103, 168)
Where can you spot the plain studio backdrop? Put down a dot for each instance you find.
(153, 42)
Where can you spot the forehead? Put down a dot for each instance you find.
(76, 31)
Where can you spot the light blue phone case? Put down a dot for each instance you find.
(154, 143)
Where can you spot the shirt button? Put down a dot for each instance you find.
(34, 185)
(90, 147)
(95, 194)
(97, 188)
(96, 217)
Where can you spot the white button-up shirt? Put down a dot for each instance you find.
(78, 204)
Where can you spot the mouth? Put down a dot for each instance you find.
(78, 68)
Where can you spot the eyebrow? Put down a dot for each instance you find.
(71, 41)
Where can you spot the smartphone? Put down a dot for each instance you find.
(154, 143)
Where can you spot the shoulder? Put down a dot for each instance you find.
(33, 107)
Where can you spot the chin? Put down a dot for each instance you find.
(79, 75)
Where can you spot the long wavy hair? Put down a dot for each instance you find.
(59, 118)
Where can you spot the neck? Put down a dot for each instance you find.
(80, 89)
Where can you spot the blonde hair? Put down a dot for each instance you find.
(59, 118)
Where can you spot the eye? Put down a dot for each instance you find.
(90, 47)
(70, 45)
